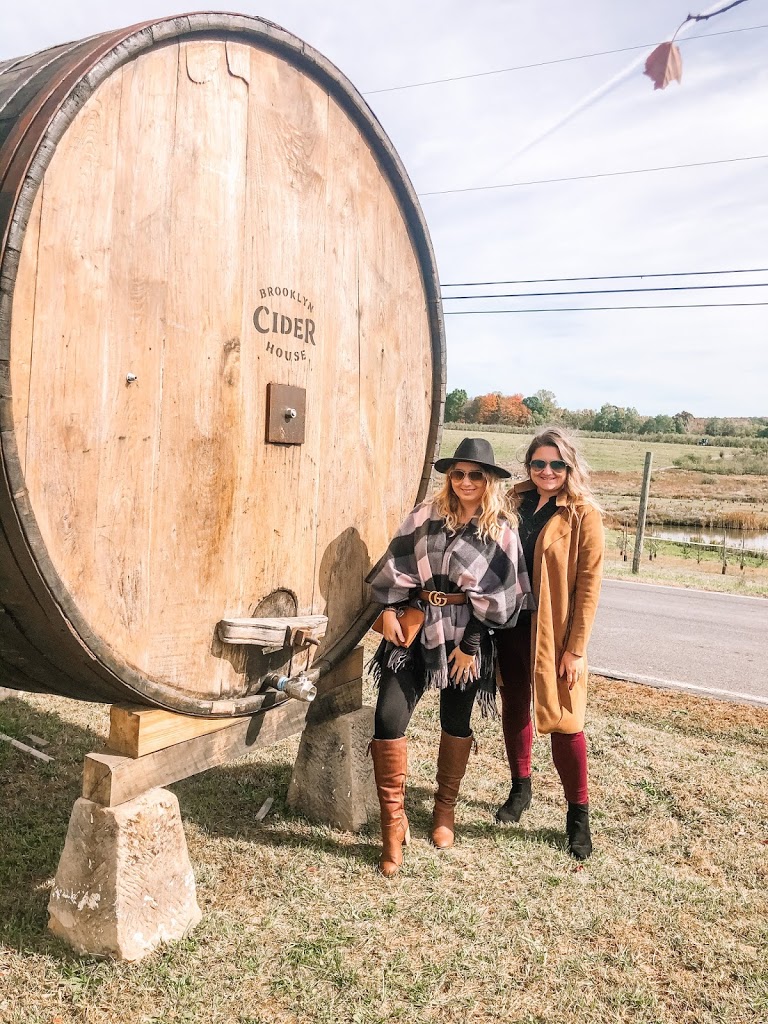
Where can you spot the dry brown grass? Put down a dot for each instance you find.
(682, 496)
(665, 925)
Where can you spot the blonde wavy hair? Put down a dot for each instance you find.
(495, 506)
(577, 487)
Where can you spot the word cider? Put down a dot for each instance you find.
(269, 321)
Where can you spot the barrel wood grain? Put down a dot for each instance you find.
(198, 175)
(286, 196)
(138, 299)
(193, 509)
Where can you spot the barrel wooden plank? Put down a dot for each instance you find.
(64, 437)
(406, 377)
(393, 330)
(22, 328)
(275, 532)
(120, 602)
(199, 448)
(342, 554)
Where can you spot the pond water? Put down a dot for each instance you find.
(754, 540)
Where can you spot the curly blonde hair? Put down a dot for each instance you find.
(495, 506)
(577, 487)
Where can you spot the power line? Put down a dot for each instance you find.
(604, 277)
(547, 63)
(610, 291)
(603, 174)
(588, 309)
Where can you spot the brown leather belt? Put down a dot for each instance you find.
(439, 599)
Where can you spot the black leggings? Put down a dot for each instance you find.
(400, 692)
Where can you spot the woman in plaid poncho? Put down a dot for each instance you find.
(458, 557)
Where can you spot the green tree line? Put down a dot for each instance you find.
(543, 407)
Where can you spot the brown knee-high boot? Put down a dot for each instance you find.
(390, 765)
(451, 765)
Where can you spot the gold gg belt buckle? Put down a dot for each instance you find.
(437, 598)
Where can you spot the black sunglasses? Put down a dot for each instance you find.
(557, 465)
(475, 475)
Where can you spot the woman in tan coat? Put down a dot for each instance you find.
(542, 661)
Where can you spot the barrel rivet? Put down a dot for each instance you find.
(290, 414)
(130, 378)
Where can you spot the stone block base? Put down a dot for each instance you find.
(124, 883)
(332, 779)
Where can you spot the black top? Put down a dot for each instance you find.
(532, 523)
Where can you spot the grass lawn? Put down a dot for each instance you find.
(601, 453)
(666, 924)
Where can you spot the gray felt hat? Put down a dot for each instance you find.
(473, 449)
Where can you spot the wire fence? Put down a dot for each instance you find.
(728, 554)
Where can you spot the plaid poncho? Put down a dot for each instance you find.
(423, 555)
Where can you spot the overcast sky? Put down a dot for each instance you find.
(500, 129)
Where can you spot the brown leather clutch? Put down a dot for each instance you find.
(411, 620)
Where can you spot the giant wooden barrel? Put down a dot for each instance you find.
(196, 214)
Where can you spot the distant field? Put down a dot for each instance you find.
(601, 453)
(677, 495)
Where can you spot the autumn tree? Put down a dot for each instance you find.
(488, 407)
(513, 410)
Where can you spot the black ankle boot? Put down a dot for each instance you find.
(519, 800)
(577, 830)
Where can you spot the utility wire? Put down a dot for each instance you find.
(609, 291)
(547, 63)
(604, 277)
(588, 309)
(585, 177)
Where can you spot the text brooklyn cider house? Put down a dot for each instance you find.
(275, 322)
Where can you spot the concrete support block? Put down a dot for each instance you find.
(124, 883)
(332, 779)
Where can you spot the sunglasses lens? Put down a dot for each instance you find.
(538, 464)
(475, 475)
(558, 466)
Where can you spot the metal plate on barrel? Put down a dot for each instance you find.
(286, 414)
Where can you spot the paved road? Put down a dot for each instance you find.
(688, 639)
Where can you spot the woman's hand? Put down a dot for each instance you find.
(572, 667)
(464, 666)
(392, 631)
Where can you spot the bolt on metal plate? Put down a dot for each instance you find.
(286, 414)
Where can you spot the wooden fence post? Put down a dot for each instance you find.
(642, 513)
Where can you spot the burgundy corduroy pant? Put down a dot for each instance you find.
(569, 750)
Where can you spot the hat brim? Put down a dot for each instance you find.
(443, 465)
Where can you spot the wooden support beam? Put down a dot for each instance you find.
(111, 779)
(135, 730)
(348, 669)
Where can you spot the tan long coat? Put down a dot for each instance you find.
(567, 572)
